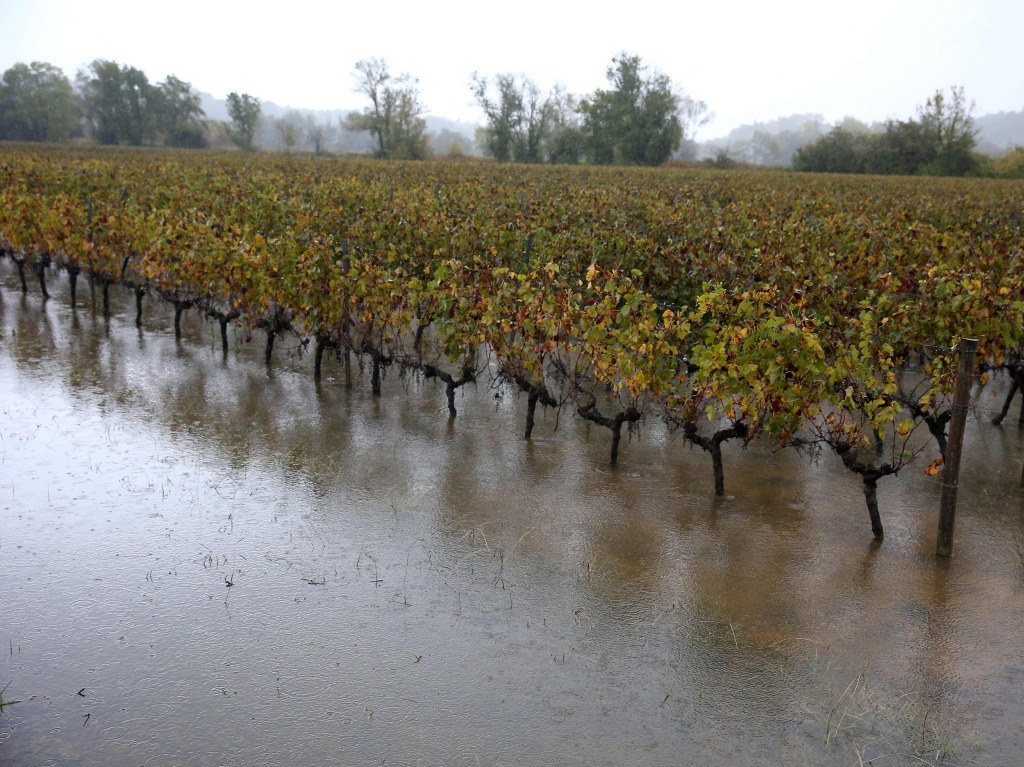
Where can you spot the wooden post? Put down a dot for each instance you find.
(951, 470)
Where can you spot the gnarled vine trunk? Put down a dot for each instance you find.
(713, 446)
(870, 476)
(140, 293)
(276, 323)
(223, 318)
(19, 261)
(378, 361)
(536, 393)
(179, 309)
(1017, 384)
(73, 272)
(39, 266)
(935, 422)
(871, 497)
(451, 383)
(324, 341)
(592, 414)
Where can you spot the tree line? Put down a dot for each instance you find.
(940, 142)
(641, 118)
(116, 104)
(112, 103)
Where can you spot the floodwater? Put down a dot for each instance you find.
(203, 562)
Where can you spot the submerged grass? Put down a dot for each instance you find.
(4, 700)
(863, 720)
(834, 714)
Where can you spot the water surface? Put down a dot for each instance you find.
(205, 562)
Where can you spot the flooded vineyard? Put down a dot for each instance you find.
(206, 562)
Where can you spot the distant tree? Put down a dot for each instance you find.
(693, 115)
(1009, 165)
(352, 139)
(948, 125)
(902, 149)
(394, 117)
(405, 130)
(565, 135)
(294, 129)
(288, 131)
(534, 125)
(120, 105)
(245, 112)
(519, 121)
(218, 134)
(37, 103)
(940, 142)
(765, 148)
(854, 126)
(637, 121)
(722, 160)
(502, 115)
(840, 151)
(179, 115)
(450, 143)
(782, 146)
(371, 80)
(317, 136)
(309, 133)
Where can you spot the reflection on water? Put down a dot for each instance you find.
(204, 562)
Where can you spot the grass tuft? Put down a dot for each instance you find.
(4, 701)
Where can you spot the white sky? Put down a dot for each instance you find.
(750, 60)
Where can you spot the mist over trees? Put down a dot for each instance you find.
(121, 106)
(118, 103)
(180, 118)
(636, 121)
(641, 118)
(940, 142)
(518, 119)
(770, 143)
(523, 126)
(37, 103)
(245, 113)
(1000, 132)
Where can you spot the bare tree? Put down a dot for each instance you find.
(393, 118)
(288, 132)
(693, 115)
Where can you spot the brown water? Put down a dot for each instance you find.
(407, 591)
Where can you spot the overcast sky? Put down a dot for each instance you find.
(750, 60)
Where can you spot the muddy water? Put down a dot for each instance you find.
(206, 563)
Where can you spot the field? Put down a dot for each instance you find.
(265, 495)
(817, 312)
